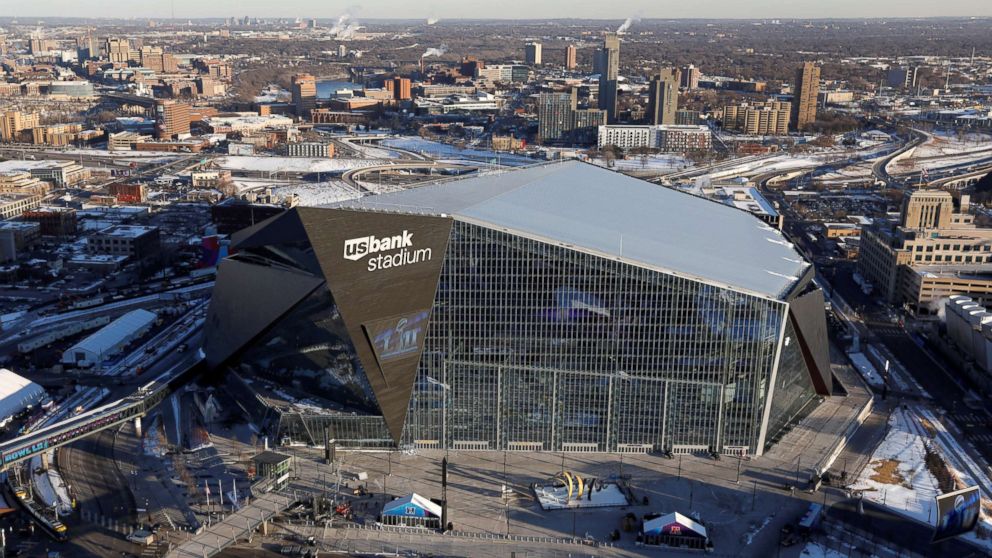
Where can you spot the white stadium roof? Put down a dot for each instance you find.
(17, 393)
(612, 215)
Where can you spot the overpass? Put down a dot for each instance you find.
(132, 407)
(962, 180)
(354, 175)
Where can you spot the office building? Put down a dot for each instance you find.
(132, 241)
(904, 78)
(304, 90)
(663, 96)
(688, 117)
(532, 54)
(313, 149)
(401, 89)
(554, 115)
(805, 90)
(156, 59)
(15, 237)
(118, 50)
(764, 119)
(504, 73)
(690, 77)
(14, 122)
(58, 222)
(667, 138)
(561, 308)
(609, 71)
(171, 119)
(934, 251)
(570, 57)
(13, 204)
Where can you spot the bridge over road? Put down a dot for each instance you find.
(240, 525)
(90, 422)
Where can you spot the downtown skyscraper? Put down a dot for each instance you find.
(609, 65)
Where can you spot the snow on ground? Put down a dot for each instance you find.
(291, 164)
(897, 476)
(651, 162)
(813, 550)
(851, 172)
(915, 164)
(318, 193)
(866, 369)
(438, 150)
(948, 143)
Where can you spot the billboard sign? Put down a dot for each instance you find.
(957, 513)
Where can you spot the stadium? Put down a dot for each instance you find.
(561, 307)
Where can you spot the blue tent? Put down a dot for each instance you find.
(412, 510)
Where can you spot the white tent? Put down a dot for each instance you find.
(17, 393)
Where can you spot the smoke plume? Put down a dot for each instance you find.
(626, 25)
(440, 51)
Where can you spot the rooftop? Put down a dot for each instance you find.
(126, 231)
(608, 214)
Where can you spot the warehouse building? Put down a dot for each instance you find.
(110, 339)
(561, 307)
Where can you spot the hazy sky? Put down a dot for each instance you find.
(506, 9)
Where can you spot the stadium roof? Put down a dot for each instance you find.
(17, 393)
(612, 215)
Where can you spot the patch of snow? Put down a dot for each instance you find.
(291, 164)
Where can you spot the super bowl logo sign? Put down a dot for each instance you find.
(385, 252)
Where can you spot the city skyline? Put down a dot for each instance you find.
(439, 10)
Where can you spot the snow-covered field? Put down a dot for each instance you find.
(291, 164)
(852, 172)
(947, 143)
(651, 162)
(897, 475)
(437, 150)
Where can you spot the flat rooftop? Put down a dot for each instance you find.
(608, 214)
(126, 231)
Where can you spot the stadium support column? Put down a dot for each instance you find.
(137, 425)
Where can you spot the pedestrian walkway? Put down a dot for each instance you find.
(237, 526)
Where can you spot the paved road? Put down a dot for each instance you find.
(90, 470)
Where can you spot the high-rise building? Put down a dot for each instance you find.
(933, 251)
(470, 66)
(118, 50)
(554, 114)
(635, 318)
(905, 78)
(609, 70)
(532, 54)
(663, 96)
(690, 77)
(155, 58)
(304, 89)
(804, 95)
(401, 89)
(171, 119)
(771, 118)
(570, 57)
(13, 122)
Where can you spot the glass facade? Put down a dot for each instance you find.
(537, 346)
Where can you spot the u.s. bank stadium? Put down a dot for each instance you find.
(561, 307)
